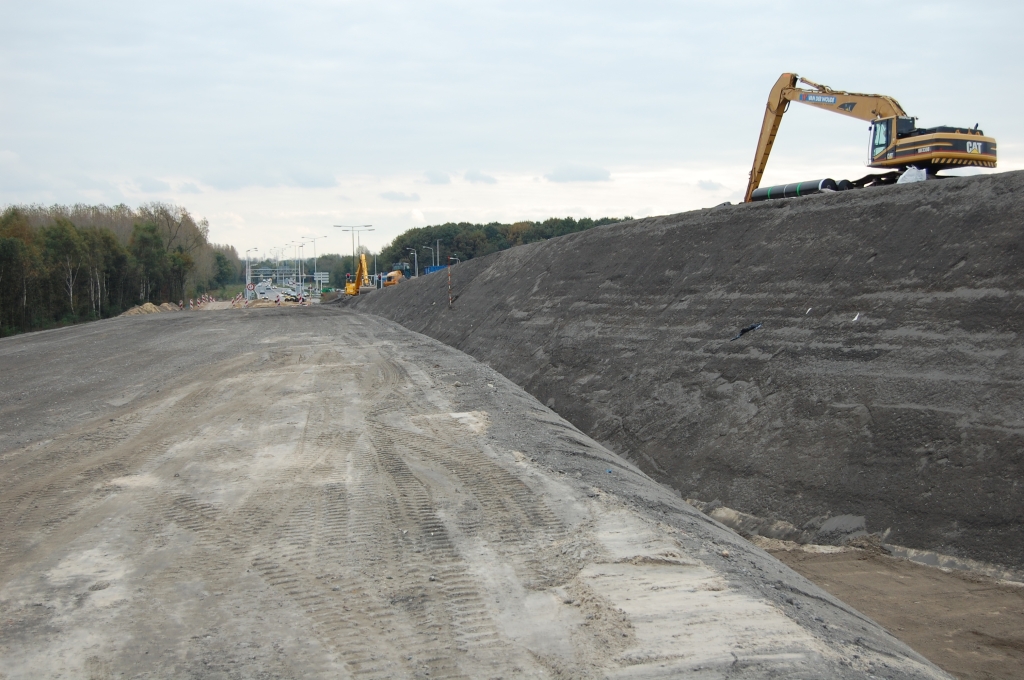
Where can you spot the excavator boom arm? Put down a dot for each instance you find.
(854, 104)
(861, 106)
(773, 111)
(361, 278)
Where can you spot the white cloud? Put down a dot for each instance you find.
(478, 177)
(708, 185)
(311, 178)
(151, 185)
(399, 196)
(578, 173)
(269, 176)
(266, 218)
(437, 177)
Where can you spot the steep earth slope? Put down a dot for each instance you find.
(885, 382)
(336, 496)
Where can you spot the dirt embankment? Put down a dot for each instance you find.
(326, 495)
(885, 382)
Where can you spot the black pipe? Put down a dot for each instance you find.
(793, 190)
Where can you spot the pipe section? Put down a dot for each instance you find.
(794, 190)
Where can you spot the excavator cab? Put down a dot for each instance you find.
(881, 139)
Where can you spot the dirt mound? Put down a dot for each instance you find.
(885, 381)
(150, 308)
(147, 308)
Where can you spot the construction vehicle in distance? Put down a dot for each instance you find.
(361, 279)
(399, 272)
(896, 143)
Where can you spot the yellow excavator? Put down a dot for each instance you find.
(896, 142)
(361, 279)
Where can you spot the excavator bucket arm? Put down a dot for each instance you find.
(352, 287)
(776, 106)
(365, 281)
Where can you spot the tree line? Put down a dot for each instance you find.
(67, 264)
(466, 241)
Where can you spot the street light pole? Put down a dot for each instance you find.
(416, 263)
(356, 229)
(314, 240)
(277, 264)
(298, 265)
(431, 254)
(248, 270)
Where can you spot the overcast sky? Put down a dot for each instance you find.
(276, 120)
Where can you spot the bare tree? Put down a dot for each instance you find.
(177, 227)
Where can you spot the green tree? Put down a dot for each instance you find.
(179, 264)
(117, 272)
(468, 240)
(147, 246)
(223, 270)
(340, 268)
(15, 265)
(54, 259)
(65, 253)
(103, 252)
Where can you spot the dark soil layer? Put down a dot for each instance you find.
(885, 382)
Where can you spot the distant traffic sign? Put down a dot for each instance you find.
(251, 286)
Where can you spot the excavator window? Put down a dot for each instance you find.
(905, 126)
(882, 133)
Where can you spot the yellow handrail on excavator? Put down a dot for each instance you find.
(896, 144)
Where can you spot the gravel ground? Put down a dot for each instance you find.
(310, 492)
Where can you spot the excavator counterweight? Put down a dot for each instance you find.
(896, 142)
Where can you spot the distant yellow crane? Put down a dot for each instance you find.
(896, 142)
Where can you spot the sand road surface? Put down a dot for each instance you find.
(321, 493)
